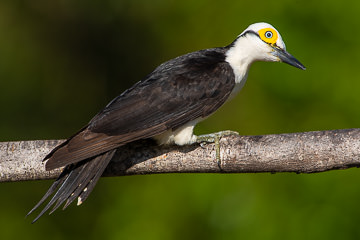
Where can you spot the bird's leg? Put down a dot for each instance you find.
(215, 138)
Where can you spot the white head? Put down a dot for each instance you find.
(259, 42)
(266, 33)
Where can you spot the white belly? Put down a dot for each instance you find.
(181, 136)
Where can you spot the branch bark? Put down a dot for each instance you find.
(295, 152)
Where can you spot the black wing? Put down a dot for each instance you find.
(178, 91)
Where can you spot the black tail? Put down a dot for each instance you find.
(76, 181)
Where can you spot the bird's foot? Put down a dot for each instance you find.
(214, 138)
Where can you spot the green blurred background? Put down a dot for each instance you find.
(62, 61)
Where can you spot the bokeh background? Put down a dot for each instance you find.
(61, 61)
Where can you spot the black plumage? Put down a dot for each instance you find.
(181, 90)
(165, 105)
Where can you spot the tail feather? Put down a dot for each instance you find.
(85, 179)
(51, 190)
(65, 190)
(83, 191)
(90, 186)
(76, 181)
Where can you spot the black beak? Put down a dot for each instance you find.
(286, 57)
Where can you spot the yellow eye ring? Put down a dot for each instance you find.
(268, 35)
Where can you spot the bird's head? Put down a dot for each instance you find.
(262, 42)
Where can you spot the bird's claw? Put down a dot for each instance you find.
(214, 138)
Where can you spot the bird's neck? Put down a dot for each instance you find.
(240, 58)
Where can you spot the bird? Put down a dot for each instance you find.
(165, 105)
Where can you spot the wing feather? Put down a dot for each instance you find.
(167, 99)
(184, 89)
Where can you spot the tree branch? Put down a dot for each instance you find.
(295, 152)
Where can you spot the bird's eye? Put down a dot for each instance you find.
(268, 34)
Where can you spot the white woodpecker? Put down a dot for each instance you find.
(165, 105)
